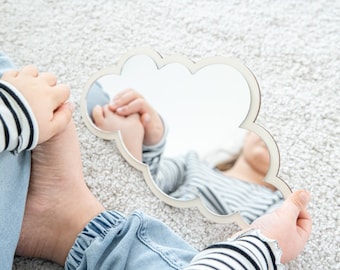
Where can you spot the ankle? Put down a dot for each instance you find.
(73, 223)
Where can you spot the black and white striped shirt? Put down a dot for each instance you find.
(18, 127)
(249, 251)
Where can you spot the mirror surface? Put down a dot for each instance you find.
(190, 104)
(203, 106)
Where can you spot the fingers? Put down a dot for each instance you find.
(33, 71)
(135, 106)
(30, 70)
(301, 198)
(61, 93)
(124, 98)
(126, 95)
(10, 74)
(62, 116)
(304, 224)
(296, 203)
(50, 78)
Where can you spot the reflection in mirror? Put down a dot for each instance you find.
(198, 150)
(190, 104)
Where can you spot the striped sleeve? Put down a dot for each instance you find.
(249, 251)
(18, 127)
(152, 155)
(168, 173)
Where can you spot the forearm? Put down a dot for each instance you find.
(152, 154)
(18, 127)
(168, 173)
(133, 142)
(250, 250)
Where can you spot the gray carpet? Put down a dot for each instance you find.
(293, 48)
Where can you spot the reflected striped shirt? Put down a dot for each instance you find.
(187, 177)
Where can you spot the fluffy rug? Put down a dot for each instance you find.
(291, 46)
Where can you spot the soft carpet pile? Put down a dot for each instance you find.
(293, 48)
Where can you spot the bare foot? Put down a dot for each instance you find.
(59, 203)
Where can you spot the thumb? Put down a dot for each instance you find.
(146, 119)
(97, 115)
(304, 221)
(300, 198)
(62, 116)
(296, 203)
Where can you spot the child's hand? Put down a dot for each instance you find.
(45, 97)
(290, 225)
(129, 102)
(130, 127)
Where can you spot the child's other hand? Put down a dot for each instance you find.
(290, 225)
(45, 97)
(129, 102)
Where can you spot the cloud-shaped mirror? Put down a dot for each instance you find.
(212, 154)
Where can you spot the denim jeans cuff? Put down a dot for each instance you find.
(96, 228)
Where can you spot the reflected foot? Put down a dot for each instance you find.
(59, 203)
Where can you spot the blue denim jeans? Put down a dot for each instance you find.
(96, 96)
(111, 241)
(14, 179)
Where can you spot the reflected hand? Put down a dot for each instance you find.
(46, 98)
(129, 102)
(130, 127)
(290, 225)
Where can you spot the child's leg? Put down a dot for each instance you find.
(111, 241)
(5, 63)
(14, 179)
